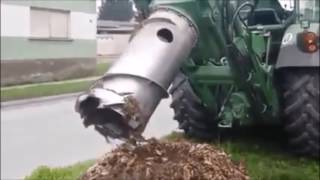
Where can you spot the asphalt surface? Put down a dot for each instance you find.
(49, 132)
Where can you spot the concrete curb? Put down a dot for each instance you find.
(37, 100)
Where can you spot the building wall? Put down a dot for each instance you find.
(113, 38)
(86, 6)
(112, 45)
(62, 58)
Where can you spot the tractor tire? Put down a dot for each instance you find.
(300, 93)
(192, 116)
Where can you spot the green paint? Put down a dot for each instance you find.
(88, 6)
(213, 75)
(258, 45)
(18, 48)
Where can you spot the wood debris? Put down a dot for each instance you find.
(157, 160)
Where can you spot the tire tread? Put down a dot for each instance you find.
(301, 109)
(191, 115)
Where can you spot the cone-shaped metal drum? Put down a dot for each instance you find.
(133, 87)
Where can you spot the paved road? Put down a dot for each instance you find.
(50, 133)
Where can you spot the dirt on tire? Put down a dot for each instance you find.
(155, 160)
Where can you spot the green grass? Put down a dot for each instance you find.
(45, 89)
(101, 68)
(265, 159)
(64, 173)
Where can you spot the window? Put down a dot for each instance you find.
(287, 4)
(309, 10)
(47, 23)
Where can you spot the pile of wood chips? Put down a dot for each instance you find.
(155, 160)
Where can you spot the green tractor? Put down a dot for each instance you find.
(226, 63)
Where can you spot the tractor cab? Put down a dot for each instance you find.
(271, 14)
(272, 19)
(308, 10)
(268, 13)
(279, 14)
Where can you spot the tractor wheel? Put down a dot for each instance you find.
(300, 88)
(192, 116)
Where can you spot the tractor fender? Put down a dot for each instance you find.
(290, 55)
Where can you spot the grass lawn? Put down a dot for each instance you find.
(43, 90)
(264, 158)
(64, 173)
(101, 68)
(47, 89)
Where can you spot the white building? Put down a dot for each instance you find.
(47, 40)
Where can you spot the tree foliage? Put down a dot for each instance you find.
(116, 10)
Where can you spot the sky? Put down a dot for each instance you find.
(98, 4)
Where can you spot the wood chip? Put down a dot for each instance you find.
(166, 160)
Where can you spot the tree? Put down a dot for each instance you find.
(116, 10)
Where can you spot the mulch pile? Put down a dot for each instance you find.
(155, 160)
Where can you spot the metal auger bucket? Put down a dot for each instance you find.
(129, 92)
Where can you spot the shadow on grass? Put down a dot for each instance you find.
(264, 151)
(267, 139)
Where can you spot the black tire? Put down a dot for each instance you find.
(300, 93)
(192, 116)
